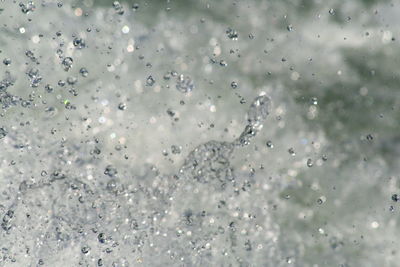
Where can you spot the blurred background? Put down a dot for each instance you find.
(104, 104)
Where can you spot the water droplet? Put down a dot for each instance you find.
(3, 132)
(84, 72)
(67, 63)
(61, 83)
(309, 163)
(79, 43)
(119, 9)
(29, 7)
(258, 111)
(49, 88)
(232, 34)
(223, 63)
(150, 81)
(170, 112)
(314, 101)
(102, 238)
(184, 84)
(110, 171)
(176, 149)
(72, 80)
(370, 137)
(269, 144)
(7, 61)
(34, 77)
(122, 106)
(30, 55)
(85, 249)
(135, 6)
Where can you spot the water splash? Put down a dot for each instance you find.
(211, 161)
